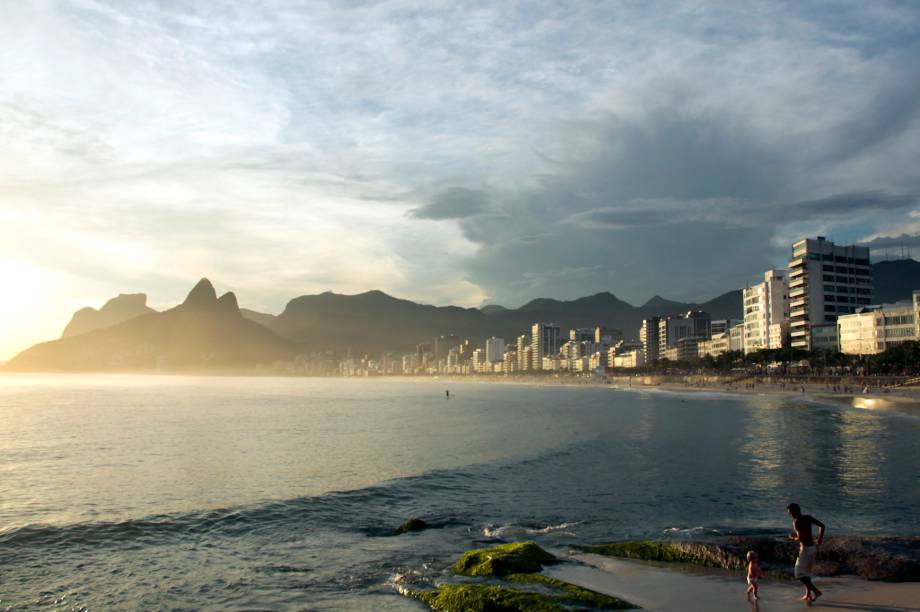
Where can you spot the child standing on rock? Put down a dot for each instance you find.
(754, 573)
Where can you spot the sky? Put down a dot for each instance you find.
(442, 151)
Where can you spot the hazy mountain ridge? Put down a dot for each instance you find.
(202, 333)
(118, 309)
(205, 331)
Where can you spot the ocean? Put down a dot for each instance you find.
(189, 493)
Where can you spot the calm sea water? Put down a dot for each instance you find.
(255, 493)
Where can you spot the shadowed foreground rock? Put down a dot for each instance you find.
(888, 559)
(413, 524)
(517, 563)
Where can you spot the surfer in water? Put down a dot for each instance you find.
(447, 393)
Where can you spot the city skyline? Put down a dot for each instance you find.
(449, 154)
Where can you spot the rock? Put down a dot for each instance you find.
(512, 563)
(888, 559)
(492, 598)
(413, 524)
(485, 598)
(504, 559)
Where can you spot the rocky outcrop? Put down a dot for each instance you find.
(502, 566)
(504, 559)
(413, 524)
(888, 559)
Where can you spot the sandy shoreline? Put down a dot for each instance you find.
(671, 589)
(904, 399)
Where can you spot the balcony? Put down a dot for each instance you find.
(797, 292)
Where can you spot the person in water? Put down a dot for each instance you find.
(447, 393)
(754, 573)
(808, 548)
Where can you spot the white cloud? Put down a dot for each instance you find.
(277, 146)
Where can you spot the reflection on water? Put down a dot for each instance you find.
(247, 475)
(765, 448)
(861, 454)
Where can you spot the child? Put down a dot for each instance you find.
(754, 573)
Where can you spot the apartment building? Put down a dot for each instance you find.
(825, 281)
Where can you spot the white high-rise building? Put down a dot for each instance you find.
(544, 342)
(875, 329)
(766, 304)
(825, 281)
(495, 349)
(649, 337)
(523, 357)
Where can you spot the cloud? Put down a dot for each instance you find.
(454, 203)
(893, 242)
(448, 152)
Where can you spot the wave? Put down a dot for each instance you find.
(376, 511)
(513, 532)
(701, 532)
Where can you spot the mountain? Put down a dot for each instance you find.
(205, 332)
(726, 306)
(372, 322)
(375, 322)
(895, 280)
(263, 319)
(491, 309)
(118, 309)
(202, 333)
(659, 304)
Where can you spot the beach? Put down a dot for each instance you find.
(681, 589)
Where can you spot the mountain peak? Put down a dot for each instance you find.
(126, 301)
(228, 303)
(203, 294)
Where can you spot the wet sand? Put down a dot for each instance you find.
(669, 589)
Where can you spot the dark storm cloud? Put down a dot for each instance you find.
(645, 213)
(893, 242)
(682, 204)
(454, 203)
(850, 204)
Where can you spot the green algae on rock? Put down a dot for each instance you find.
(574, 593)
(890, 559)
(485, 598)
(562, 597)
(514, 558)
(517, 562)
(413, 524)
(670, 552)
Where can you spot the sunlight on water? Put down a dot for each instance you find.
(273, 492)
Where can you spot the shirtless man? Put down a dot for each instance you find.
(808, 548)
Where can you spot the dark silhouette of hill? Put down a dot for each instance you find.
(492, 309)
(202, 333)
(895, 280)
(375, 322)
(372, 322)
(205, 332)
(261, 318)
(118, 309)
